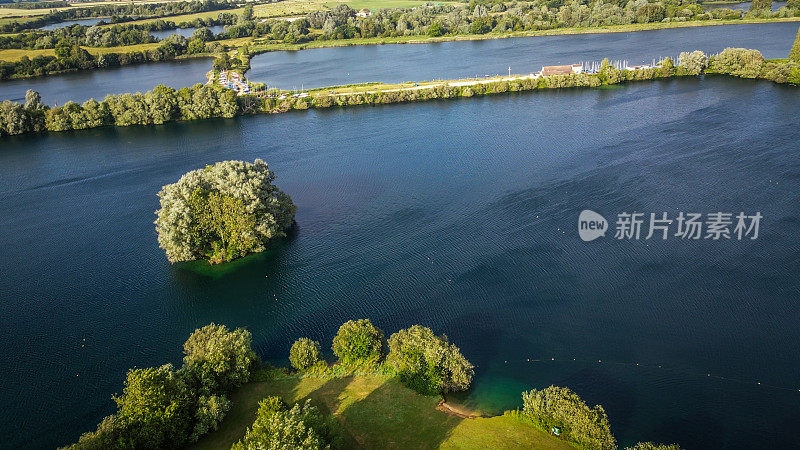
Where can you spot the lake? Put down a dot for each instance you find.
(81, 86)
(68, 23)
(185, 32)
(414, 62)
(461, 59)
(460, 215)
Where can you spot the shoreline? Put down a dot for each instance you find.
(255, 48)
(229, 105)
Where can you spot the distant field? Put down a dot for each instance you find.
(380, 4)
(300, 7)
(379, 412)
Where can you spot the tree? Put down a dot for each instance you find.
(652, 446)
(209, 413)
(154, 408)
(794, 54)
(739, 62)
(275, 427)
(435, 30)
(225, 210)
(32, 99)
(694, 63)
(358, 342)
(304, 353)
(428, 363)
(759, 5)
(218, 360)
(561, 408)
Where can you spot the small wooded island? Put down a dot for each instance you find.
(223, 212)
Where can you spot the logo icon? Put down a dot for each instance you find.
(591, 225)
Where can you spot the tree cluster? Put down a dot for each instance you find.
(279, 427)
(118, 13)
(161, 407)
(222, 212)
(427, 363)
(559, 407)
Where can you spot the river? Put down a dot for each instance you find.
(460, 59)
(460, 215)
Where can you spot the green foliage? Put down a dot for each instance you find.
(652, 446)
(560, 407)
(304, 353)
(738, 62)
(794, 53)
(164, 408)
(210, 412)
(275, 427)
(221, 226)
(694, 63)
(222, 212)
(358, 342)
(219, 360)
(428, 363)
(758, 5)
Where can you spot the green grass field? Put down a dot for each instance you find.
(378, 412)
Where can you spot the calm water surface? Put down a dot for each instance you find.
(185, 32)
(397, 63)
(446, 60)
(460, 215)
(81, 86)
(84, 22)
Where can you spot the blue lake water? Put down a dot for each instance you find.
(460, 59)
(84, 22)
(185, 32)
(460, 215)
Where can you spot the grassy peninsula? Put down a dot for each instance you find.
(378, 394)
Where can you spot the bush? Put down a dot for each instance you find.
(739, 62)
(694, 63)
(358, 342)
(218, 360)
(427, 363)
(276, 427)
(560, 407)
(304, 353)
(222, 212)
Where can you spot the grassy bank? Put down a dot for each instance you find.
(377, 411)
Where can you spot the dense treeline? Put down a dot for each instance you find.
(108, 36)
(70, 57)
(118, 13)
(33, 4)
(161, 407)
(486, 16)
(165, 104)
(424, 362)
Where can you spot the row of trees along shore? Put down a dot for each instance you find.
(164, 407)
(478, 17)
(112, 12)
(164, 104)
